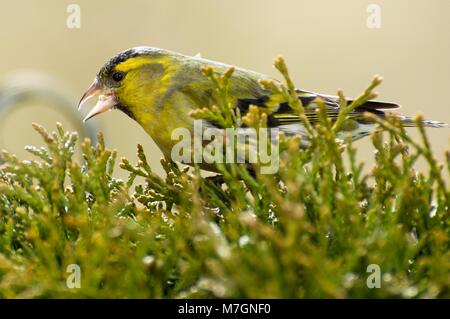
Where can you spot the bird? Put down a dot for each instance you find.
(159, 89)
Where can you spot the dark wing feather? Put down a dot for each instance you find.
(378, 105)
(368, 106)
(284, 114)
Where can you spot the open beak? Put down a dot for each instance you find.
(106, 99)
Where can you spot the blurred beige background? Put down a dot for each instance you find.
(327, 45)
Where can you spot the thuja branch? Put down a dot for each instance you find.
(345, 110)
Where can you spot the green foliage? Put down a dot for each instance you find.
(311, 230)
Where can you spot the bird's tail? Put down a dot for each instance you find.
(380, 107)
(410, 122)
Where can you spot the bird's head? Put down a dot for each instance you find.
(129, 81)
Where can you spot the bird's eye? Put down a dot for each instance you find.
(118, 76)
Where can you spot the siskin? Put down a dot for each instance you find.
(159, 88)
